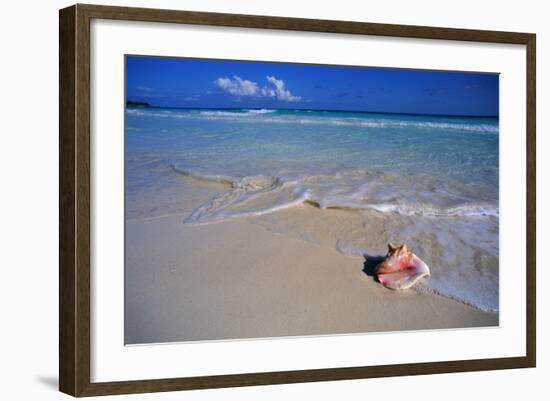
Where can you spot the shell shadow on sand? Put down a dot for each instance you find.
(370, 263)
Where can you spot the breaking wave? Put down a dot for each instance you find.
(275, 116)
(236, 113)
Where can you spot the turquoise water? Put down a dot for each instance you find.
(434, 178)
(402, 163)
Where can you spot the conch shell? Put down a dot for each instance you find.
(401, 268)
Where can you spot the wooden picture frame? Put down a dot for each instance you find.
(74, 200)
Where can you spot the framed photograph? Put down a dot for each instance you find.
(250, 200)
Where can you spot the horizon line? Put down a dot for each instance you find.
(310, 109)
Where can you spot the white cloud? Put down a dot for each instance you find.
(242, 87)
(237, 86)
(279, 91)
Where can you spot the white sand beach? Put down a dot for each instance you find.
(237, 279)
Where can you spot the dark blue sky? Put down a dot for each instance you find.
(180, 82)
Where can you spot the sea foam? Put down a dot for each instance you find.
(260, 194)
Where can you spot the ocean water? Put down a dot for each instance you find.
(432, 181)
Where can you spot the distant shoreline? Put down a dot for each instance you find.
(137, 104)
